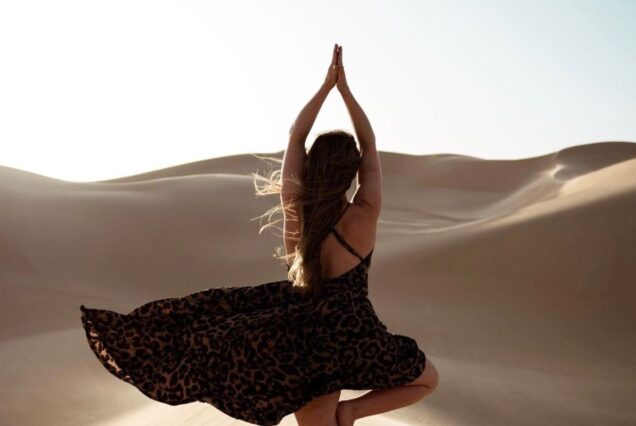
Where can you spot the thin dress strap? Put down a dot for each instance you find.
(339, 237)
(342, 212)
(344, 243)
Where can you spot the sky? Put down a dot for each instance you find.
(97, 90)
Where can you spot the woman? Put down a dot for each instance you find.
(259, 353)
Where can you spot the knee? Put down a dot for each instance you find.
(430, 376)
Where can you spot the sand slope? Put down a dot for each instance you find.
(517, 278)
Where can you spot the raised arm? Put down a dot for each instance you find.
(369, 190)
(295, 154)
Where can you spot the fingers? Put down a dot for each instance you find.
(339, 56)
(334, 58)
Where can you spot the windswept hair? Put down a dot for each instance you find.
(330, 166)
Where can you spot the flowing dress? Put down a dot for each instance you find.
(257, 353)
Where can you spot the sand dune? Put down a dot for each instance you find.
(516, 277)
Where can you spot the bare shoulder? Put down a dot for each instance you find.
(361, 226)
(365, 212)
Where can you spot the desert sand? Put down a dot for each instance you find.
(516, 277)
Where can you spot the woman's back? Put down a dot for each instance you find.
(350, 240)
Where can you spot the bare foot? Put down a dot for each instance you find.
(344, 414)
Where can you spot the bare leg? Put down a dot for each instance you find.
(379, 401)
(320, 411)
(382, 400)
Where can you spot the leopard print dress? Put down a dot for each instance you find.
(257, 353)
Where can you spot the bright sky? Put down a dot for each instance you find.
(93, 90)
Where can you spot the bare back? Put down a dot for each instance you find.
(357, 227)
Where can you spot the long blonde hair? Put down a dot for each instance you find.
(330, 166)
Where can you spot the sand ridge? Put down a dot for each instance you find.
(516, 277)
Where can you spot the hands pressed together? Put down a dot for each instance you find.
(336, 73)
(335, 77)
